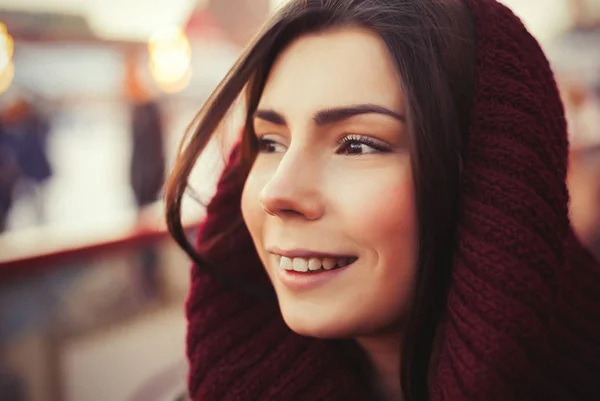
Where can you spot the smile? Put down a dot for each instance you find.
(314, 264)
(303, 270)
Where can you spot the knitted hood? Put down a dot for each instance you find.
(523, 312)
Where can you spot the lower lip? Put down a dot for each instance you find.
(297, 281)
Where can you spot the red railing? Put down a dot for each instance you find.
(33, 250)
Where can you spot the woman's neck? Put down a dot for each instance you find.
(383, 352)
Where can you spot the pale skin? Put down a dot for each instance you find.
(333, 176)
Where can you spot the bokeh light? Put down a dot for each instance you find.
(7, 67)
(170, 56)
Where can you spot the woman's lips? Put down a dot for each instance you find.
(301, 274)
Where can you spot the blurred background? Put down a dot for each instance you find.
(95, 96)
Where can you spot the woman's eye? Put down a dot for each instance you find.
(269, 146)
(360, 145)
(355, 148)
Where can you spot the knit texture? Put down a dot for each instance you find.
(523, 314)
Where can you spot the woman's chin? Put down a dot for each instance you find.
(331, 323)
(325, 332)
(319, 325)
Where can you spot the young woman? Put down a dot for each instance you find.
(393, 223)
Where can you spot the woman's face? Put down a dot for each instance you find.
(329, 201)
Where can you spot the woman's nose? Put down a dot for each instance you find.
(294, 191)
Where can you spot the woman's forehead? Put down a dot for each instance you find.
(331, 69)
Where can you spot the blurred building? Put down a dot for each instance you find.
(76, 294)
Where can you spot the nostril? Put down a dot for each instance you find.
(280, 211)
(309, 208)
(290, 212)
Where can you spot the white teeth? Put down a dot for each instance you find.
(300, 265)
(328, 263)
(286, 263)
(314, 264)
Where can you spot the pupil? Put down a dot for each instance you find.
(267, 146)
(354, 147)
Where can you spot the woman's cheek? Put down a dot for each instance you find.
(378, 206)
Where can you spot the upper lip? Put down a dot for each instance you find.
(305, 253)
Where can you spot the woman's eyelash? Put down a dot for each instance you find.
(267, 145)
(351, 144)
(364, 140)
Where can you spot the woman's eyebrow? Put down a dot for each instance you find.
(335, 115)
(270, 116)
(331, 115)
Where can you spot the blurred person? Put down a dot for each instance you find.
(393, 223)
(583, 111)
(584, 187)
(28, 128)
(9, 174)
(583, 114)
(147, 174)
(147, 167)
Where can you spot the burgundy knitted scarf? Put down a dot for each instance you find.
(523, 313)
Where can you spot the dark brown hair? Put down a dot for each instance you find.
(432, 45)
